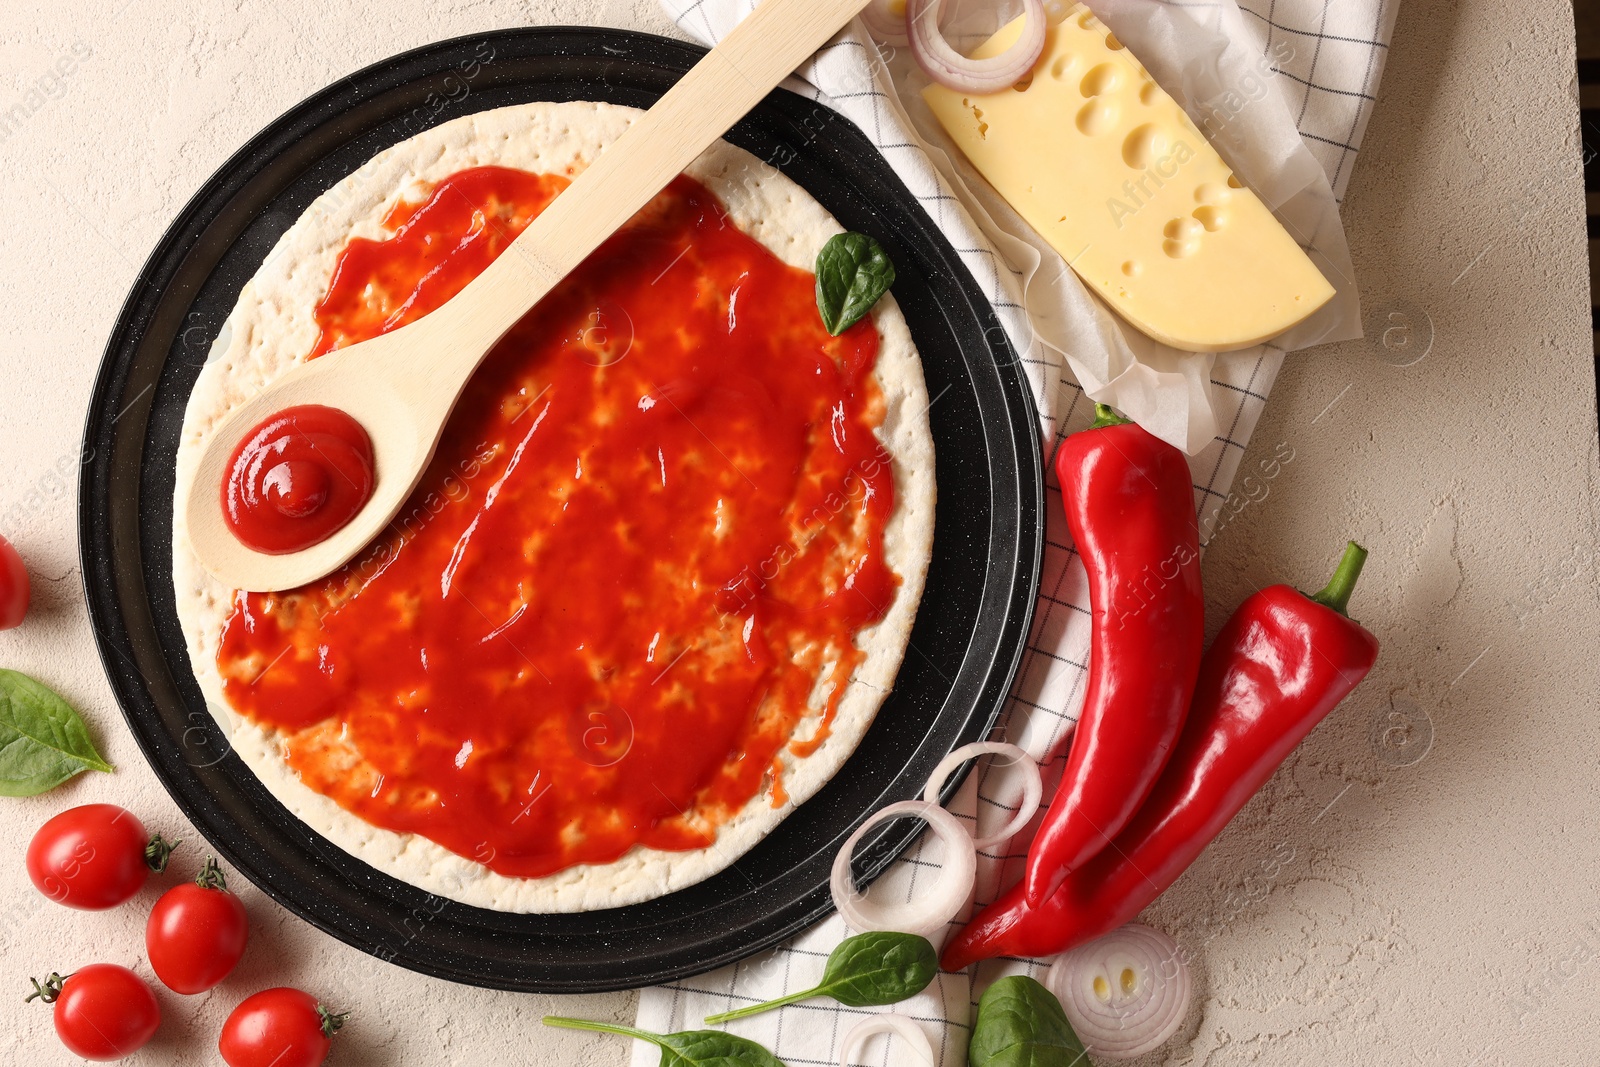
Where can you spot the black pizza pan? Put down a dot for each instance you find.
(970, 629)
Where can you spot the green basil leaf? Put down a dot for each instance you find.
(43, 742)
(853, 271)
(1021, 1024)
(879, 968)
(688, 1048)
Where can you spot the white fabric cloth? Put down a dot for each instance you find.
(1284, 88)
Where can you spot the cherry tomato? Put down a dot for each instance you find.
(14, 589)
(103, 1012)
(278, 1028)
(197, 932)
(94, 857)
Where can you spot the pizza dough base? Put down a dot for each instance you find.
(271, 329)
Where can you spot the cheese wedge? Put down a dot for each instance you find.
(1109, 169)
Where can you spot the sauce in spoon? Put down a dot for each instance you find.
(297, 479)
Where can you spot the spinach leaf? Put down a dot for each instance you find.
(689, 1048)
(1021, 1024)
(866, 970)
(879, 968)
(853, 271)
(43, 742)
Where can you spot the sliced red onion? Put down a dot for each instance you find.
(929, 913)
(955, 71)
(1032, 786)
(886, 21)
(1125, 994)
(902, 1026)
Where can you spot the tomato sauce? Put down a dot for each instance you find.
(297, 478)
(652, 530)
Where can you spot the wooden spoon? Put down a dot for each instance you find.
(402, 386)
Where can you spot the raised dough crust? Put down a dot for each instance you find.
(272, 328)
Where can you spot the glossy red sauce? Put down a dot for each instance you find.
(654, 522)
(297, 478)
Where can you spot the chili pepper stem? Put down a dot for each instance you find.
(1336, 594)
(604, 1028)
(757, 1009)
(1104, 416)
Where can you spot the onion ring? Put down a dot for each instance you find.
(955, 71)
(1125, 993)
(884, 24)
(957, 875)
(902, 1026)
(1032, 786)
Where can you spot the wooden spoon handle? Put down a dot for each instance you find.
(759, 53)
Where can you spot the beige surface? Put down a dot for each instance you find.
(1437, 913)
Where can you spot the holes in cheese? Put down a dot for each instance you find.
(1102, 78)
(1109, 170)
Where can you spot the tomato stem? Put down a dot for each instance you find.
(158, 852)
(331, 1021)
(49, 990)
(211, 876)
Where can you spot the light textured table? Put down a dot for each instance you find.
(1418, 885)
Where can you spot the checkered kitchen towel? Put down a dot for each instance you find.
(1295, 136)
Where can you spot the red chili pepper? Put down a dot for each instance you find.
(1277, 668)
(1130, 507)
